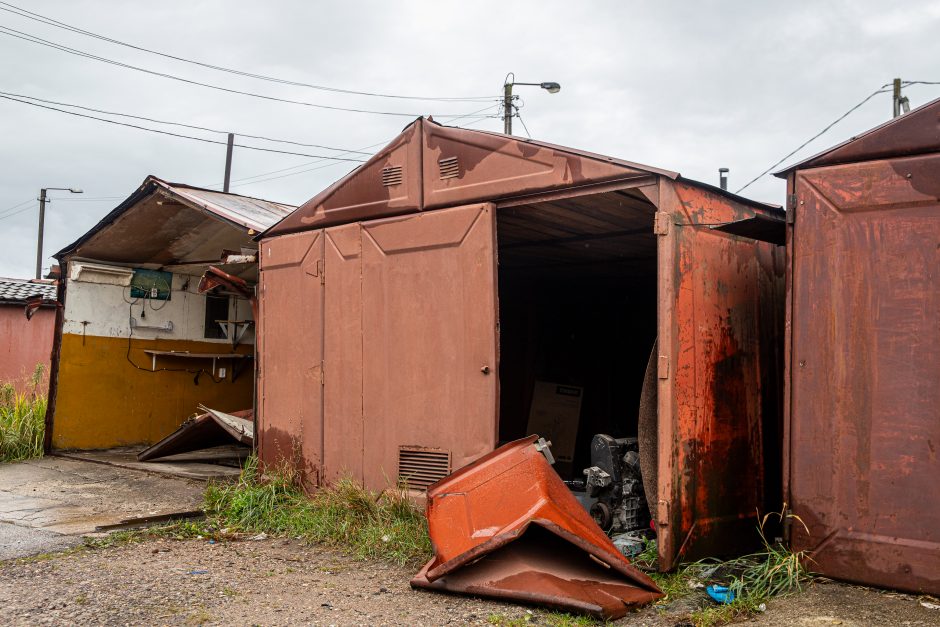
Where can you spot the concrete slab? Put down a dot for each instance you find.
(186, 465)
(53, 501)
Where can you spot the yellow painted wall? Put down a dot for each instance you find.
(103, 401)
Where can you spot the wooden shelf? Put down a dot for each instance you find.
(190, 355)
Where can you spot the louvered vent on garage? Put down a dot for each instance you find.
(419, 467)
(449, 167)
(392, 176)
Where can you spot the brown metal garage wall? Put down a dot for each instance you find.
(291, 353)
(343, 429)
(865, 361)
(397, 317)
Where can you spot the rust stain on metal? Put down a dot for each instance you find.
(863, 357)
(506, 526)
(397, 317)
(721, 301)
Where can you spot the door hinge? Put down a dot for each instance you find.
(322, 376)
(663, 369)
(661, 223)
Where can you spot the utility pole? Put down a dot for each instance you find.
(228, 161)
(549, 86)
(507, 108)
(897, 97)
(42, 221)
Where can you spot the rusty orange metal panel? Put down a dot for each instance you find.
(506, 526)
(291, 353)
(864, 358)
(720, 328)
(343, 434)
(429, 343)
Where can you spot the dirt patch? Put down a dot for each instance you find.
(277, 582)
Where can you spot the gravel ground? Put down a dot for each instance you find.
(277, 582)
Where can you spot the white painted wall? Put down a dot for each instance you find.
(107, 311)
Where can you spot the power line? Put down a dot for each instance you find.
(273, 178)
(882, 90)
(10, 32)
(57, 24)
(246, 180)
(526, 128)
(909, 83)
(262, 180)
(17, 206)
(153, 130)
(236, 182)
(97, 199)
(15, 213)
(180, 124)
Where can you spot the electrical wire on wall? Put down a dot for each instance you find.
(131, 302)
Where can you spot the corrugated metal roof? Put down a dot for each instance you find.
(21, 289)
(253, 213)
(244, 212)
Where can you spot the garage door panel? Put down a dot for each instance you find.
(429, 337)
(290, 352)
(865, 354)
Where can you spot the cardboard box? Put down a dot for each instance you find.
(555, 412)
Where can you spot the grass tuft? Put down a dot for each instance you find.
(22, 420)
(754, 578)
(369, 525)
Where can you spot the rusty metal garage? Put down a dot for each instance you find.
(409, 311)
(863, 355)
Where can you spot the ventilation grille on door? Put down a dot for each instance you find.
(419, 467)
(391, 176)
(449, 168)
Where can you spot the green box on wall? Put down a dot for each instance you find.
(155, 284)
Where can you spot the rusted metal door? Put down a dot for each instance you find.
(429, 337)
(720, 303)
(290, 408)
(864, 362)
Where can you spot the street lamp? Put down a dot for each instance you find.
(42, 220)
(549, 86)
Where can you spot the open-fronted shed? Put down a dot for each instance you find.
(464, 288)
(863, 355)
(138, 347)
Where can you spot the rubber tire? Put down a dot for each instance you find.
(648, 432)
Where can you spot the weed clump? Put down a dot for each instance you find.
(753, 579)
(22, 419)
(381, 525)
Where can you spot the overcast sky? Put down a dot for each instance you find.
(684, 86)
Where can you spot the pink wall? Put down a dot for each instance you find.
(24, 343)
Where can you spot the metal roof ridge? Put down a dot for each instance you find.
(171, 184)
(900, 120)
